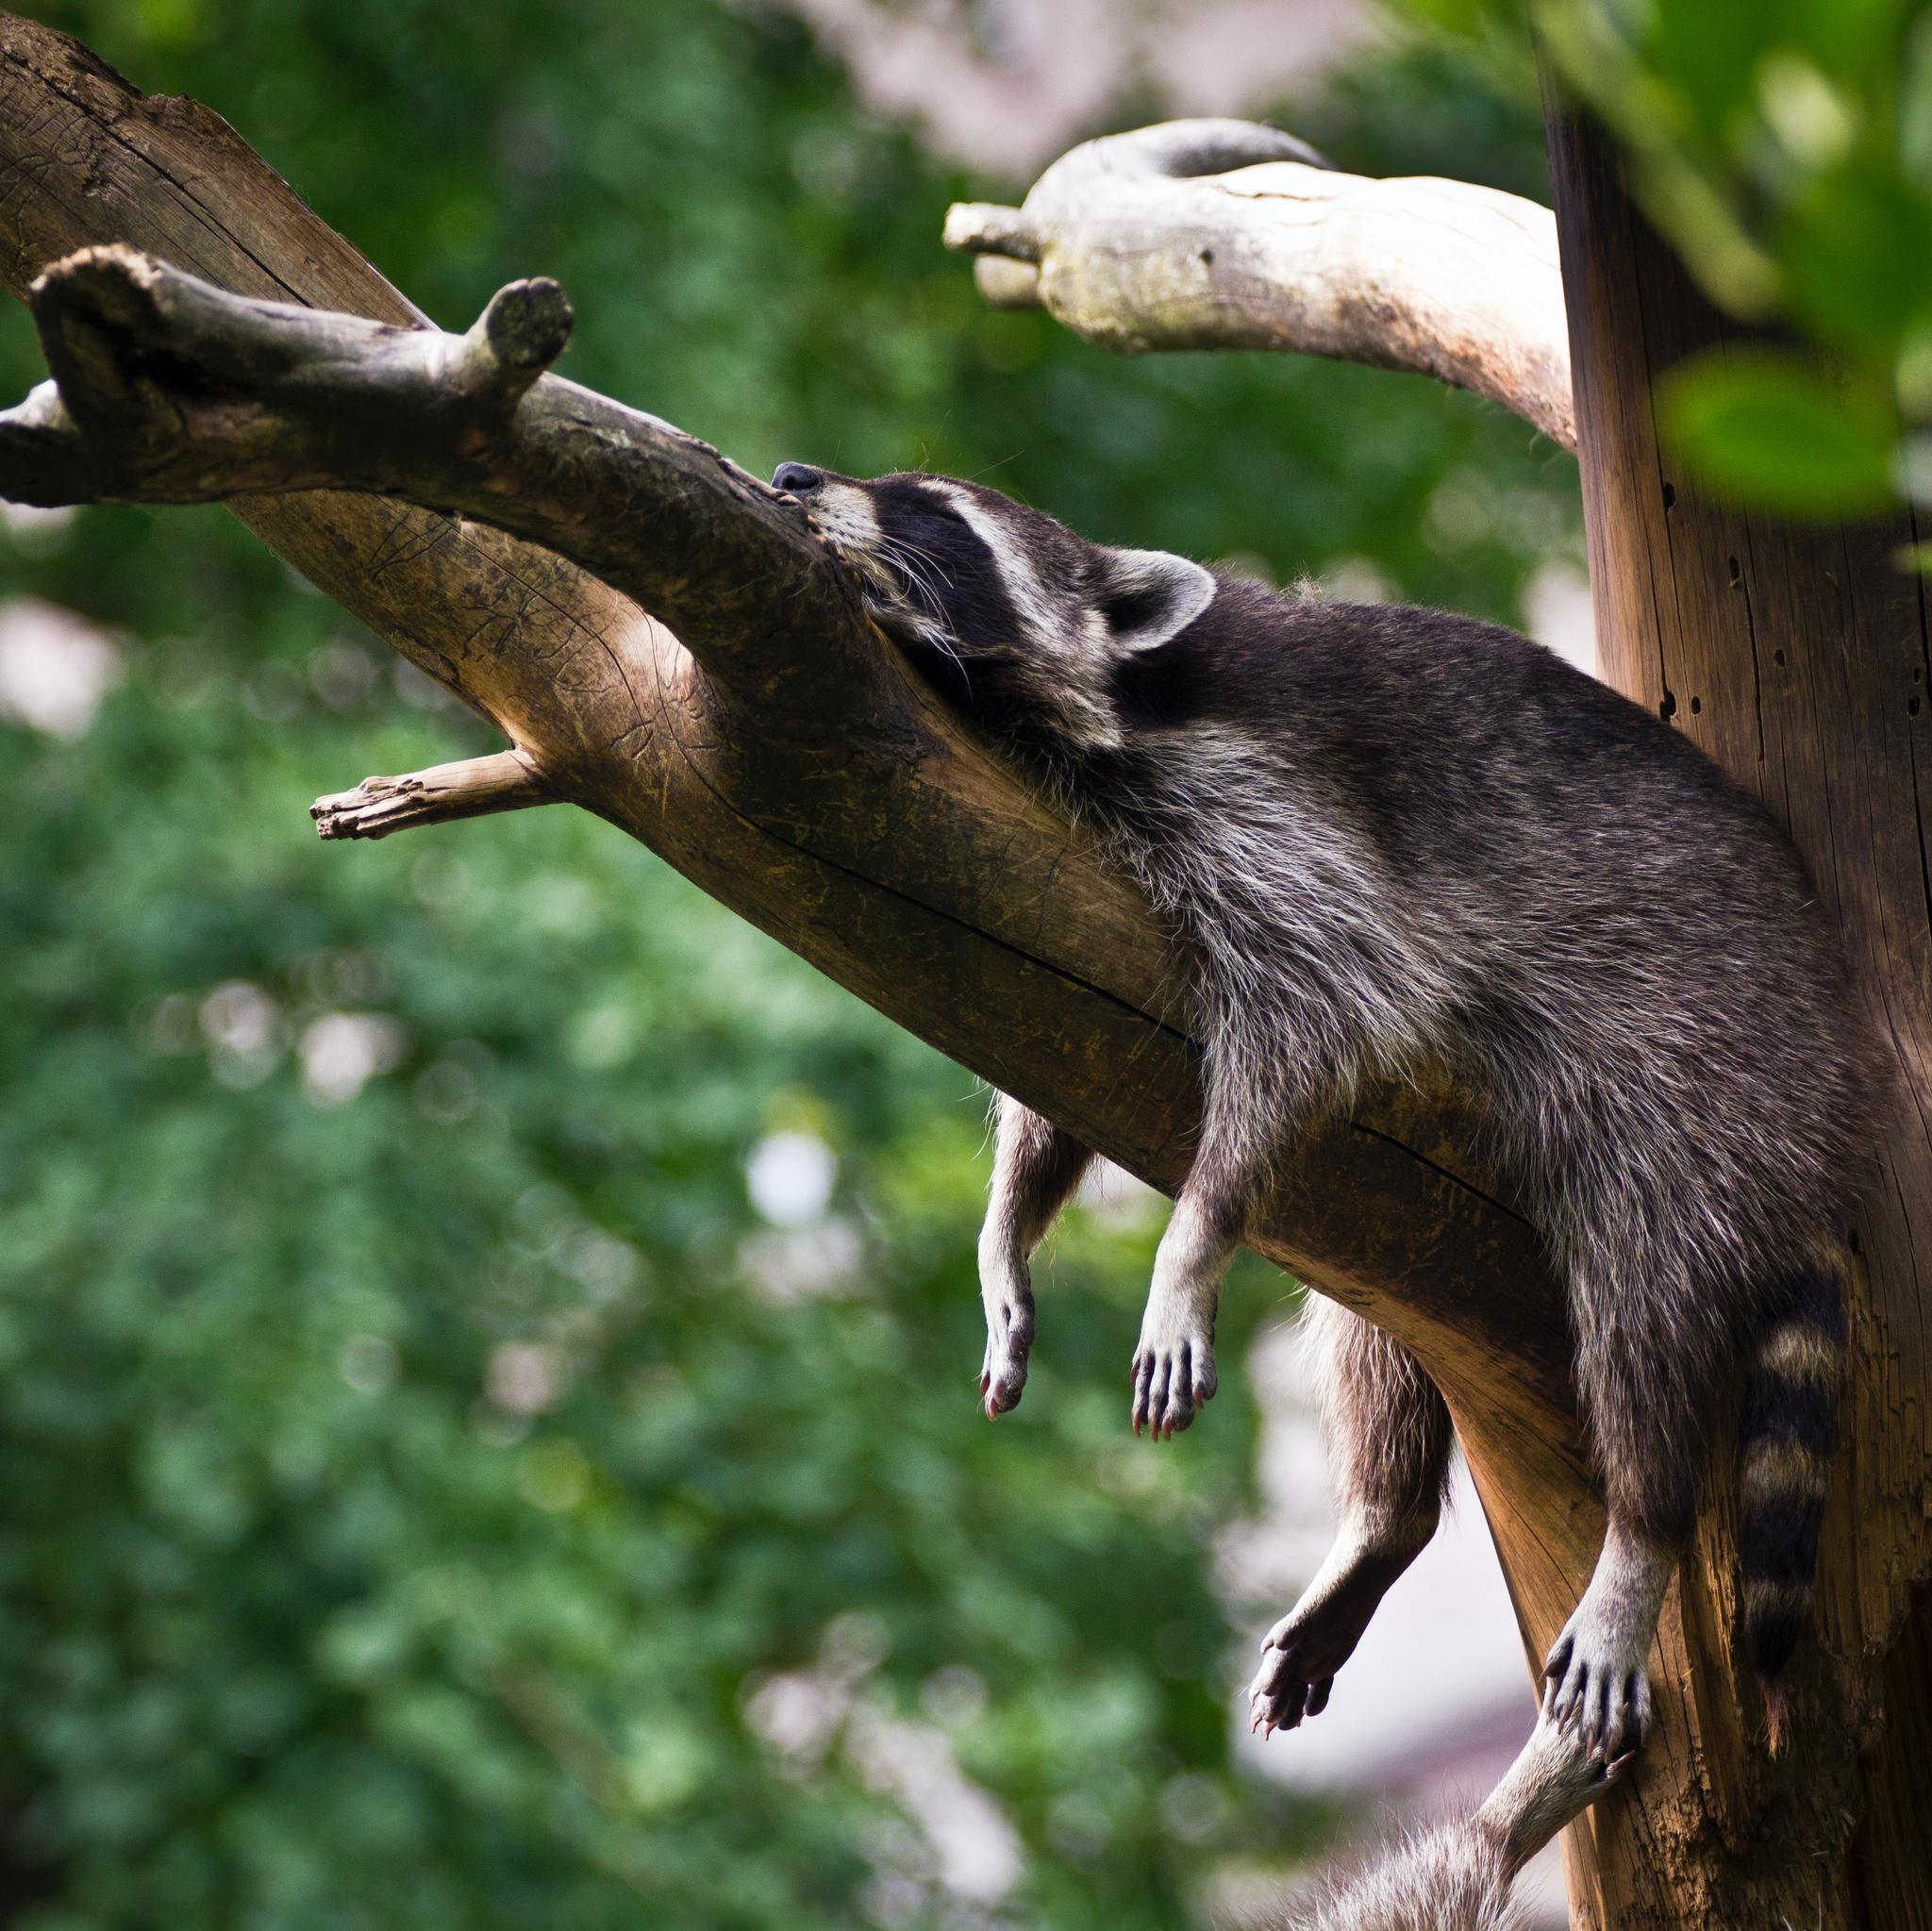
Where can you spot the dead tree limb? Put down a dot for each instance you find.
(471, 787)
(1224, 235)
(170, 391)
(872, 834)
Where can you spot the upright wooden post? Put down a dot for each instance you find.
(1797, 657)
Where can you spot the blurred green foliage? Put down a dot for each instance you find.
(438, 1494)
(1783, 147)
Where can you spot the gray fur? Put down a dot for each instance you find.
(1035, 1168)
(1389, 1432)
(1448, 1878)
(1456, 1876)
(1395, 838)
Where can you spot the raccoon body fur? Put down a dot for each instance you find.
(1388, 839)
(1458, 1875)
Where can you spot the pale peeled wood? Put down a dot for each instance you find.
(1198, 235)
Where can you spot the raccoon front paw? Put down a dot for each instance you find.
(1284, 1690)
(1008, 1340)
(1173, 1376)
(1595, 1678)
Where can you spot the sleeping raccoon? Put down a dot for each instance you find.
(1388, 838)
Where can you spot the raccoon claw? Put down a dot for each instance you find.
(1603, 1694)
(1302, 1653)
(1283, 1693)
(1556, 1778)
(1008, 1340)
(1170, 1385)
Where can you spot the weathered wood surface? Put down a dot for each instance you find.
(1796, 657)
(1226, 235)
(882, 844)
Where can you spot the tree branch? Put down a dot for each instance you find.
(1220, 234)
(471, 787)
(872, 834)
(172, 391)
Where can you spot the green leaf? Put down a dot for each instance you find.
(1857, 249)
(1759, 427)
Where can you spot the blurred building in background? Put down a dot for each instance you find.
(1005, 85)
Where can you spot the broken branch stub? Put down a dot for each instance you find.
(471, 787)
(1223, 234)
(911, 867)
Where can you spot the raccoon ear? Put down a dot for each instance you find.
(1148, 596)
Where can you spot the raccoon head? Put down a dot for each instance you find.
(1021, 622)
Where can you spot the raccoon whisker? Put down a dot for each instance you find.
(926, 557)
(893, 611)
(913, 564)
(917, 579)
(916, 564)
(903, 546)
(933, 635)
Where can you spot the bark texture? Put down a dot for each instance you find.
(1798, 658)
(775, 751)
(1225, 235)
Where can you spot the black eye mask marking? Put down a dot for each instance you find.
(948, 571)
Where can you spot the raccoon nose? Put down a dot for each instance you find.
(795, 478)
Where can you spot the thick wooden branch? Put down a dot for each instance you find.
(1220, 234)
(873, 836)
(172, 390)
(789, 764)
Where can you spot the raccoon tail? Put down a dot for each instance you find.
(1785, 1440)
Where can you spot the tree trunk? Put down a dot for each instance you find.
(1797, 657)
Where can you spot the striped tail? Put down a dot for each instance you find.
(1785, 1441)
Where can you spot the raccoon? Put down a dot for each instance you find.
(1390, 839)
